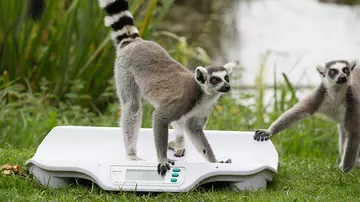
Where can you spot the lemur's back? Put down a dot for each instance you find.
(142, 56)
(149, 63)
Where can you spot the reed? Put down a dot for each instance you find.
(69, 47)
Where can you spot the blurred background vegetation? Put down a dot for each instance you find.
(63, 62)
(68, 55)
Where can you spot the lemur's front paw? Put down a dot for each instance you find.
(177, 148)
(225, 161)
(164, 166)
(262, 135)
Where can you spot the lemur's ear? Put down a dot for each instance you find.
(353, 64)
(230, 66)
(321, 69)
(201, 74)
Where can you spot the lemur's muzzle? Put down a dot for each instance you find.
(225, 88)
(341, 79)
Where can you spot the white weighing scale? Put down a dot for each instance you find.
(97, 154)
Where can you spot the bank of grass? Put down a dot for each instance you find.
(307, 152)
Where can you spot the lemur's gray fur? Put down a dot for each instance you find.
(337, 97)
(181, 98)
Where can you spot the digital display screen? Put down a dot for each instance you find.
(143, 175)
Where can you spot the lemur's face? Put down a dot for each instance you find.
(215, 79)
(337, 72)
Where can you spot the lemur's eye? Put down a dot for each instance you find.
(346, 70)
(227, 78)
(215, 80)
(333, 72)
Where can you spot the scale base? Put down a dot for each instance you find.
(97, 154)
(51, 179)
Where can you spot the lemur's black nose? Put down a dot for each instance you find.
(225, 88)
(341, 79)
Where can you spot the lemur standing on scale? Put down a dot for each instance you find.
(181, 98)
(337, 97)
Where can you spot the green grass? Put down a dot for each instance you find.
(298, 179)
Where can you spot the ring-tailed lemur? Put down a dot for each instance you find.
(337, 97)
(181, 98)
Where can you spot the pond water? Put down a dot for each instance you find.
(298, 34)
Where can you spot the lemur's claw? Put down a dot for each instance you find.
(179, 153)
(164, 166)
(261, 135)
(225, 161)
(177, 148)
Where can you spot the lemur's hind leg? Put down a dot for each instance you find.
(131, 113)
(350, 151)
(178, 145)
(341, 141)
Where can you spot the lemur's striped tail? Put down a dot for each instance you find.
(119, 18)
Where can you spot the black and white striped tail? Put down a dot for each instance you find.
(119, 18)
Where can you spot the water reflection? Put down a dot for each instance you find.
(299, 35)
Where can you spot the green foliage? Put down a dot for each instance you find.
(74, 55)
(70, 47)
(59, 48)
(182, 51)
(259, 82)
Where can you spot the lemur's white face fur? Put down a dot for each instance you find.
(215, 79)
(336, 72)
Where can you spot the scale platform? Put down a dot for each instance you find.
(97, 154)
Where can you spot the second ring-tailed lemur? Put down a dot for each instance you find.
(337, 97)
(180, 97)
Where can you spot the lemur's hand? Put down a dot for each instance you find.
(262, 135)
(225, 161)
(164, 166)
